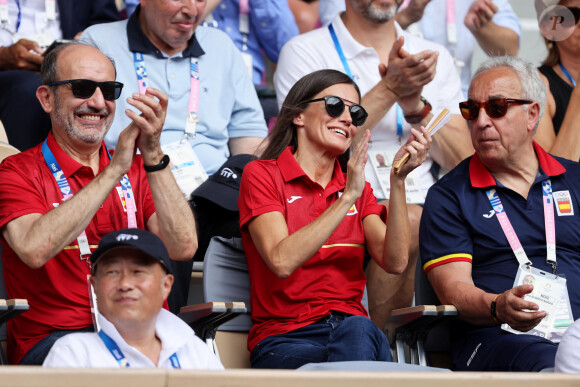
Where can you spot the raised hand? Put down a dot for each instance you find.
(417, 146)
(153, 107)
(355, 177)
(479, 14)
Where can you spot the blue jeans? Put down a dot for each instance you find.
(37, 354)
(334, 338)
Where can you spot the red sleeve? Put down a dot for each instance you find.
(21, 188)
(370, 204)
(258, 191)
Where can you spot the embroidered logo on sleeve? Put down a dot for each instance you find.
(563, 201)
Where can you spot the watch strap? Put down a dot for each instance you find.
(157, 167)
(416, 118)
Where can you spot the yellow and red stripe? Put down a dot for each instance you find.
(462, 257)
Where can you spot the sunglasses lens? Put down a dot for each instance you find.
(358, 115)
(83, 88)
(469, 110)
(496, 108)
(111, 90)
(334, 106)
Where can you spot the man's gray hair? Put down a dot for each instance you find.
(532, 86)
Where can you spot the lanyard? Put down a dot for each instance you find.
(49, 7)
(120, 357)
(450, 21)
(510, 233)
(244, 26)
(192, 107)
(567, 74)
(342, 57)
(67, 194)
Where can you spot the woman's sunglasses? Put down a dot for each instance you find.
(335, 108)
(495, 108)
(85, 88)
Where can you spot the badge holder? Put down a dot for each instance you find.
(185, 166)
(551, 295)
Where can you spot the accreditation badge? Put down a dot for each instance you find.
(551, 295)
(185, 166)
(382, 163)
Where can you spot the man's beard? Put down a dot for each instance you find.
(63, 119)
(374, 13)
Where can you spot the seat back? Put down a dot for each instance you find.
(437, 343)
(226, 279)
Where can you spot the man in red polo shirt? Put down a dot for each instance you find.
(59, 198)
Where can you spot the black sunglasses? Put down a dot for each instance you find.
(495, 108)
(85, 88)
(335, 107)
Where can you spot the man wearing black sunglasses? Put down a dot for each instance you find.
(508, 211)
(58, 199)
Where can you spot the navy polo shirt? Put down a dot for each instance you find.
(458, 224)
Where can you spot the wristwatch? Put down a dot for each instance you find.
(416, 118)
(157, 167)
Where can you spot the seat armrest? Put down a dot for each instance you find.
(205, 318)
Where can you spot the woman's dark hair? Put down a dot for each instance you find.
(283, 134)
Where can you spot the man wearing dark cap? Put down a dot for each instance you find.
(131, 276)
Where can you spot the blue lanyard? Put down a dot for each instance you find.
(349, 73)
(19, 19)
(567, 74)
(66, 191)
(120, 357)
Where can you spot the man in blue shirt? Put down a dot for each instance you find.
(465, 230)
(213, 104)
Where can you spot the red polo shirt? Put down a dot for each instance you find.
(332, 279)
(58, 291)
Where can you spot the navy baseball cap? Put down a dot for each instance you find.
(142, 240)
(223, 187)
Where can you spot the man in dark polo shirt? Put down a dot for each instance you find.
(508, 211)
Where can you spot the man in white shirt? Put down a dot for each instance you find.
(401, 77)
(132, 278)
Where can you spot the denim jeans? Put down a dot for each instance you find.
(37, 354)
(334, 338)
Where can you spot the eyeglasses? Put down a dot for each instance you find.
(495, 108)
(335, 107)
(85, 88)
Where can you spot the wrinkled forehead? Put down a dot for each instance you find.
(497, 82)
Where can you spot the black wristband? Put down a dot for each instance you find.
(157, 167)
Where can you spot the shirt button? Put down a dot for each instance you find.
(228, 29)
(319, 194)
(172, 76)
(170, 61)
(223, 6)
(264, 25)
